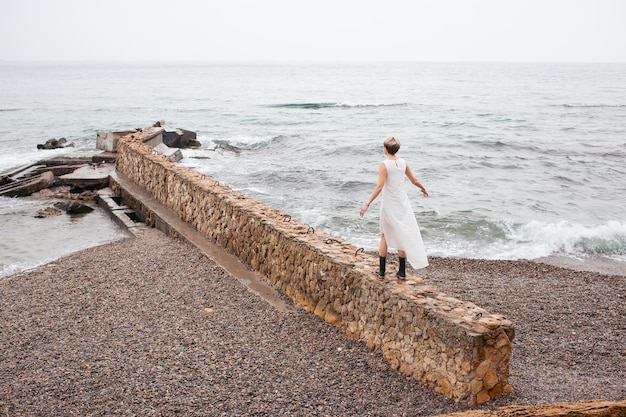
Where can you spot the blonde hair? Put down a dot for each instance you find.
(392, 144)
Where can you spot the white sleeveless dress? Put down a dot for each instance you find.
(397, 220)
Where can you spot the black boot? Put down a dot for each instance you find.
(381, 270)
(402, 268)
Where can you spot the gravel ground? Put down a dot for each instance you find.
(149, 326)
(570, 326)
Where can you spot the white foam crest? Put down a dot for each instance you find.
(19, 158)
(198, 154)
(15, 160)
(247, 142)
(536, 239)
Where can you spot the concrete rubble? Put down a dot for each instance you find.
(90, 173)
(162, 138)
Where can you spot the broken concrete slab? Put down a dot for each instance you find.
(63, 160)
(104, 157)
(88, 176)
(28, 186)
(173, 153)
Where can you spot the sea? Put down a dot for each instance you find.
(521, 160)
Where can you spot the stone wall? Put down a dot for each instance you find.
(455, 347)
(594, 408)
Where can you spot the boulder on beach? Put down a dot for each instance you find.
(73, 207)
(87, 195)
(53, 192)
(55, 144)
(48, 212)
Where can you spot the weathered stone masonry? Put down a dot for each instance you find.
(456, 347)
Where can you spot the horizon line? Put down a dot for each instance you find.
(286, 61)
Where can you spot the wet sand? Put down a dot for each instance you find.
(150, 326)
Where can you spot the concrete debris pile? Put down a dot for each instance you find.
(70, 180)
(159, 136)
(163, 134)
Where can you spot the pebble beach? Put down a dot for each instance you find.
(149, 326)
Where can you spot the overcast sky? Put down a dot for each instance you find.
(313, 30)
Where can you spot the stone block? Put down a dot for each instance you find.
(107, 141)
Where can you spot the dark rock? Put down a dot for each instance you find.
(87, 195)
(76, 207)
(188, 139)
(227, 147)
(171, 139)
(73, 207)
(62, 205)
(48, 212)
(178, 138)
(55, 144)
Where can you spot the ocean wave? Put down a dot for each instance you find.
(316, 106)
(610, 154)
(564, 237)
(487, 143)
(351, 186)
(583, 106)
(240, 142)
(4, 110)
(508, 240)
(304, 105)
(14, 160)
(495, 118)
(504, 145)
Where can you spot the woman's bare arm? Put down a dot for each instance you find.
(414, 180)
(382, 176)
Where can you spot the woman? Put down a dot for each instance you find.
(398, 226)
